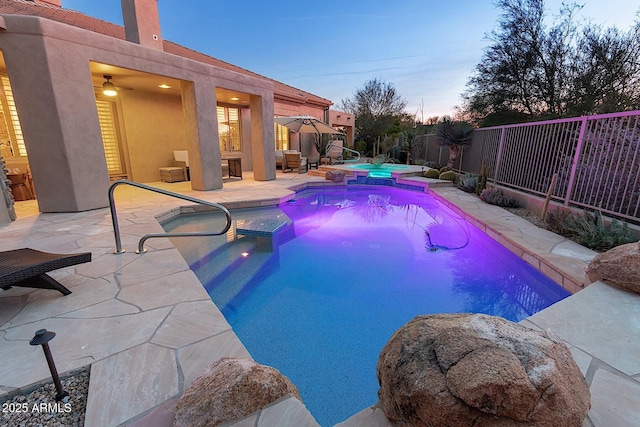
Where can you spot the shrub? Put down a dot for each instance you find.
(495, 196)
(558, 221)
(468, 182)
(448, 176)
(431, 173)
(589, 229)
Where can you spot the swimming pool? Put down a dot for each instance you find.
(379, 170)
(350, 266)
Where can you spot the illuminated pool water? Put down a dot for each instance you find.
(378, 170)
(320, 299)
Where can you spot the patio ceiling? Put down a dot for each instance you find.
(136, 80)
(141, 81)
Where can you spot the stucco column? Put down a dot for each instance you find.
(199, 106)
(262, 139)
(56, 105)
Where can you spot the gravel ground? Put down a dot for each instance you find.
(40, 409)
(529, 216)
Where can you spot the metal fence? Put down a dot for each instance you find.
(596, 158)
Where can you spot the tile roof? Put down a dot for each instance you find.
(77, 19)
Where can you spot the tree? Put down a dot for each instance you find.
(378, 109)
(454, 135)
(607, 71)
(536, 70)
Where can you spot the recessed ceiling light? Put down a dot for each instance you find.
(164, 86)
(235, 98)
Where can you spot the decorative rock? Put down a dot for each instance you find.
(335, 176)
(479, 370)
(619, 267)
(230, 389)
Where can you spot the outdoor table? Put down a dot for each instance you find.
(235, 166)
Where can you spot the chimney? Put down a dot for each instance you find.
(142, 23)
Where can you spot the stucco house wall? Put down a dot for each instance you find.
(54, 58)
(55, 100)
(155, 125)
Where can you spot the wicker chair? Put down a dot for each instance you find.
(28, 268)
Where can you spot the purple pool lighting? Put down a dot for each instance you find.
(319, 300)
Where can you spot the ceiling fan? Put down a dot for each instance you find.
(109, 88)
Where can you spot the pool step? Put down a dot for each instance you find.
(240, 274)
(261, 227)
(246, 260)
(317, 172)
(322, 171)
(217, 263)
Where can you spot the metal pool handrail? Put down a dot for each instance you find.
(141, 249)
(357, 159)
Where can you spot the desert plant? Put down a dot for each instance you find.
(455, 135)
(589, 229)
(321, 141)
(448, 176)
(395, 153)
(431, 164)
(361, 146)
(431, 173)
(444, 169)
(495, 196)
(558, 221)
(382, 158)
(482, 178)
(468, 182)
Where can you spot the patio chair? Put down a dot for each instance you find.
(28, 267)
(313, 161)
(181, 159)
(294, 161)
(280, 158)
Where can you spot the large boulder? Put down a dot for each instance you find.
(228, 390)
(478, 370)
(619, 267)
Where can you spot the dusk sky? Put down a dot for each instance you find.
(427, 49)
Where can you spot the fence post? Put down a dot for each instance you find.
(499, 154)
(576, 158)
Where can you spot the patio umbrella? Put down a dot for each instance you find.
(306, 124)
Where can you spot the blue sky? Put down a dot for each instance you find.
(427, 49)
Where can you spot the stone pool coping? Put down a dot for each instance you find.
(145, 346)
(561, 259)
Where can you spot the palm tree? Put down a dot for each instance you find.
(455, 135)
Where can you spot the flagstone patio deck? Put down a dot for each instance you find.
(147, 327)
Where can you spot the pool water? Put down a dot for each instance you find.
(378, 170)
(321, 299)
